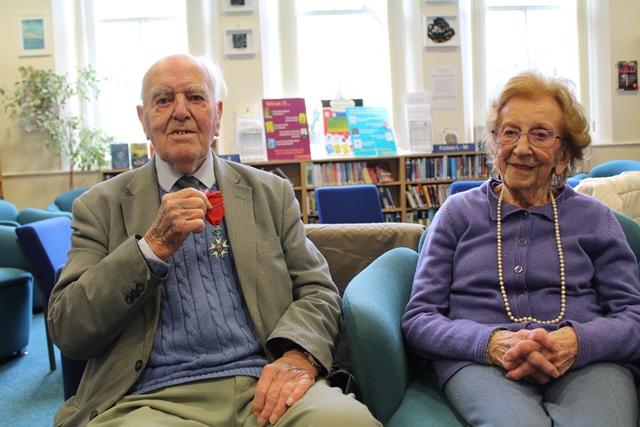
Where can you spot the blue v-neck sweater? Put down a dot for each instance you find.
(204, 330)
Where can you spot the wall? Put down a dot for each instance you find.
(32, 176)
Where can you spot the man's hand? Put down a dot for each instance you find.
(282, 384)
(181, 213)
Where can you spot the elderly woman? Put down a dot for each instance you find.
(526, 296)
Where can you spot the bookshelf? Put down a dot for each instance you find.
(412, 187)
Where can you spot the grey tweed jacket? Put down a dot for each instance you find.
(105, 306)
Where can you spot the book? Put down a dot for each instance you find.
(383, 172)
(454, 148)
(139, 154)
(232, 157)
(286, 129)
(120, 156)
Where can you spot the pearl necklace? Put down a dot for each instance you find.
(503, 290)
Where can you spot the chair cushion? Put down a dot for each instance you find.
(349, 248)
(620, 192)
(424, 404)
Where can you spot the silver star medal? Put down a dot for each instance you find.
(219, 246)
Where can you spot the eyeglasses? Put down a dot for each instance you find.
(541, 138)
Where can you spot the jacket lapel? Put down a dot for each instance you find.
(241, 230)
(140, 207)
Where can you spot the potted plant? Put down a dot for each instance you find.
(40, 102)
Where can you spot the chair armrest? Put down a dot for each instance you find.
(373, 304)
(29, 215)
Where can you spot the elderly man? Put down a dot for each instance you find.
(191, 288)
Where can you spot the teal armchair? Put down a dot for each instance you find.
(11, 216)
(64, 201)
(396, 389)
(16, 293)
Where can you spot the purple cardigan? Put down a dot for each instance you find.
(455, 302)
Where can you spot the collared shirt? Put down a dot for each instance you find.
(456, 302)
(167, 178)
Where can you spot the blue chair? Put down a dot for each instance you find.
(574, 180)
(462, 185)
(614, 167)
(45, 245)
(64, 201)
(10, 215)
(398, 389)
(16, 293)
(344, 204)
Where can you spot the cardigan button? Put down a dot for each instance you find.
(93, 414)
(138, 365)
(518, 269)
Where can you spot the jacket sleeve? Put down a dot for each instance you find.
(312, 319)
(101, 289)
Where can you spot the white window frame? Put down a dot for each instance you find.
(477, 72)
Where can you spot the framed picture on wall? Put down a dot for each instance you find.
(441, 31)
(238, 6)
(34, 36)
(239, 42)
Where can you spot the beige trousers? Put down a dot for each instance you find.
(227, 402)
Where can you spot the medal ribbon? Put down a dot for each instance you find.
(216, 213)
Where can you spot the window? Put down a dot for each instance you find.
(342, 51)
(125, 38)
(537, 35)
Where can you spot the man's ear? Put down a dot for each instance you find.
(218, 118)
(140, 111)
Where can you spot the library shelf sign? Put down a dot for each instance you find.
(286, 129)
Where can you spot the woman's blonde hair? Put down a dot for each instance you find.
(575, 132)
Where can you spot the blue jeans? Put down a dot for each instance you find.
(602, 394)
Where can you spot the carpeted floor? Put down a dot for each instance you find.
(29, 392)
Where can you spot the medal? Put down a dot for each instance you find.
(220, 246)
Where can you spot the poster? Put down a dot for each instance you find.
(371, 132)
(627, 75)
(337, 139)
(286, 129)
